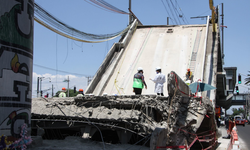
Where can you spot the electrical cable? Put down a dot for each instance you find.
(182, 14)
(78, 74)
(52, 23)
(67, 52)
(176, 13)
(73, 42)
(166, 9)
(111, 6)
(79, 39)
(204, 12)
(171, 12)
(108, 6)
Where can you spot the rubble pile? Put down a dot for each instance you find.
(149, 120)
(141, 115)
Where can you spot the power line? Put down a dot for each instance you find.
(183, 16)
(78, 74)
(176, 13)
(168, 12)
(54, 24)
(173, 8)
(171, 12)
(108, 6)
(166, 9)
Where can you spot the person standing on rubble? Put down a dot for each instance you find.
(159, 80)
(189, 75)
(80, 93)
(139, 82)
(63, 94)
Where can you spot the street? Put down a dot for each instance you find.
(244, 136)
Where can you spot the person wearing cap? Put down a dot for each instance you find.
(80, 93)
(189, 75)
(139, 82)
(63, 94)
(159, 80)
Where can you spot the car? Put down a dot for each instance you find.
(239, 120)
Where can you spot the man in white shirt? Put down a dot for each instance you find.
(159, 80)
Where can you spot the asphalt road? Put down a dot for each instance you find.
(244, 136)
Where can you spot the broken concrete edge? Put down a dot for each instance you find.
(183, 114)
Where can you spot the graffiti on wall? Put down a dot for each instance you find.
(16, 61)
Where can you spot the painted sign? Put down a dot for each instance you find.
(16, 61)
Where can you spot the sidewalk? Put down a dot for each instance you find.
(222, 142)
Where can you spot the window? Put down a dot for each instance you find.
(231, 84)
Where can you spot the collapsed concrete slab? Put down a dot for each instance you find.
(148, 120)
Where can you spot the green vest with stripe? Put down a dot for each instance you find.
(62, 94)
(138, 83)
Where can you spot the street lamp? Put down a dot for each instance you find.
(41, 79)
(68, 84)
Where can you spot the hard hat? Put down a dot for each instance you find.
(188, 69)
(140, 69)
(63, 88)
(81, 90)
(158, 68)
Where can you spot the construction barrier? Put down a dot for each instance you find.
(211, 137)
(234, 140)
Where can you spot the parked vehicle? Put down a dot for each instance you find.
(239, 120)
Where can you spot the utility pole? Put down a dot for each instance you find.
(37, 86)
(222, 30)
(52, 91)
(89, 79)
(167, 20)
(68, 86)
(41, 92)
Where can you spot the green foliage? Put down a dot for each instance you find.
(71, 93)
(238, 111)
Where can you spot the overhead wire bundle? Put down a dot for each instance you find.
(176, 12)
(107, 6)
(52, 23)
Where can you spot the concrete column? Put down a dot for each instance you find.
(16, 65)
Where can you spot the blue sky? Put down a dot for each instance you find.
(79, 60)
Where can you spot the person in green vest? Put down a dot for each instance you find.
(139, 83)
(63, 94)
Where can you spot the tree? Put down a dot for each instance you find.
(71, 93)
(247, 80)
(238, 111)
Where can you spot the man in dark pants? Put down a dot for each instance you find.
(138, 83)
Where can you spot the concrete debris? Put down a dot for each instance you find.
(148, 120)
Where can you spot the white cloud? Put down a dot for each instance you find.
(57, 82)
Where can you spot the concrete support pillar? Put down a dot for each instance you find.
(124, 136)
(16, 65)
